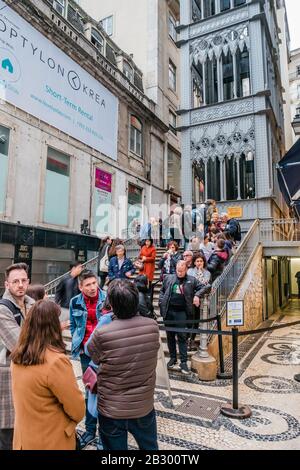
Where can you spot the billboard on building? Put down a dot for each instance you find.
(37, 77)
(103, 203)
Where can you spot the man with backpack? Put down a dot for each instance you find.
(232, 227)
(14, 306)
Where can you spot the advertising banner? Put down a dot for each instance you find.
(37, 77)
(102, 203)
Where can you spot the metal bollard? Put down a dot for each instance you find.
(222, 374)
(234, 411)
(203, 350)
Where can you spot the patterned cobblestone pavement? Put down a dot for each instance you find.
(266, 384)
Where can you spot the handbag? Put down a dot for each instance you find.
(138, 264)
(104, 262)
(89, 380)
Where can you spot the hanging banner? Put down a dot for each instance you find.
(102, 203)
(39, 78)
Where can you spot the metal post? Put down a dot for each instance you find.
(234, 411)
(222, 374)
(203, 351)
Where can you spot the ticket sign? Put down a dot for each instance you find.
(235, 313)
(235, 212)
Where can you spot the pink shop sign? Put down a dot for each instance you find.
(103, 180)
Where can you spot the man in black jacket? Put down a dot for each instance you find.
(68, 287)
(178, 294)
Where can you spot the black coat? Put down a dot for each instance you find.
(216, 262)
(66, 290)
(145, 307)
(191, 288)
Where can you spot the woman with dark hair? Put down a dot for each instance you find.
(36, 291)
(147, 256)
(103, 259)
(169, 260)
(200, 272)
(46, 396)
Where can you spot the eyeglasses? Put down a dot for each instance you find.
(15, 282)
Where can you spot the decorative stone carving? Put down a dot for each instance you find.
(217, 23)
(221, 111)
(221, 42)
(229, 138)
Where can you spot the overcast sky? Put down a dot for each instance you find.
(293, 10)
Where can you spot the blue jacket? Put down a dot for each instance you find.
(113, 269)
(78, 318)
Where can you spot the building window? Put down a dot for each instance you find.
(247, 176)
(211, 75)
(237, 3)
(228, 77)
(60, 6)
(243, 73)
(209, 8)
(128, 71)
(136, 136)
(197, 86)
(107, 25)
(231, 178)
(213, 180)
(298, 92)
(97, 40)
(196, 10)
(172, 76)
(174, 170)
(135, 209)
(172, 27)
(298, 70)
(224, 5)
(4, 142)
(172, 121)
(56, 210)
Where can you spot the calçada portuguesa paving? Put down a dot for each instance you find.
(266, 384)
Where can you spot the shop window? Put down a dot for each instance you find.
(136, 136)
(56, 207)
(4, 143)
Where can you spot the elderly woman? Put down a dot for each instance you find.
(120, 267)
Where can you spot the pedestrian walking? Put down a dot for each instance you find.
(103, 259)
(14, 306)
(126, 351)
(147, 256)
(48, 402)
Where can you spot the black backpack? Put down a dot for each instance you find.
(14, 310)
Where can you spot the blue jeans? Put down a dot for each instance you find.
(90, 421)
(114, 432)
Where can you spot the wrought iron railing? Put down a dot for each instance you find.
(233, 272)
(279, 230)
(132, 251)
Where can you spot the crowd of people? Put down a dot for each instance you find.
(114, 336)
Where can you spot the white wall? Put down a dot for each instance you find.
(295, 267)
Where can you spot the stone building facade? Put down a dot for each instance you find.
(54, 184)
(232, 107)
(294, 79)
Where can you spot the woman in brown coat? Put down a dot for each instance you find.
(148, 255)
(48, 403)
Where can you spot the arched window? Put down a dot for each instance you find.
(136, 136)
(97, 40)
